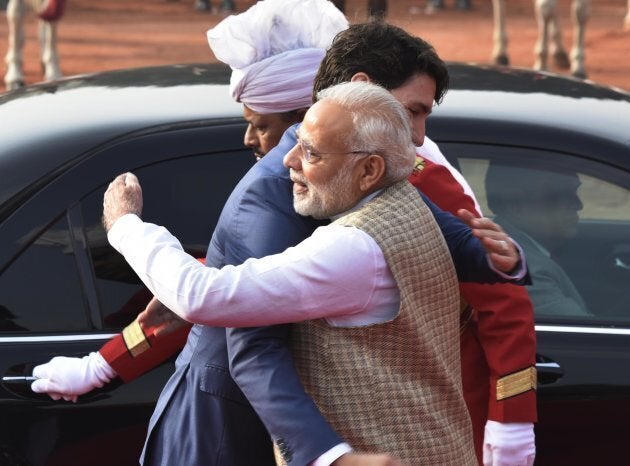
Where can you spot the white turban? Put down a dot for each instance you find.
(274, 49)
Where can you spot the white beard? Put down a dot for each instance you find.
(323, 202)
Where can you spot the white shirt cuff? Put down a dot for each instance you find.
(332, 455)
(118, 230)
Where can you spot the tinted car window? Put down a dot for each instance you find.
(54, 301)
(186, 196)
(572, 218)
(81, 283)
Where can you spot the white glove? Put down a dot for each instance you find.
(509, 444)
(68, 378)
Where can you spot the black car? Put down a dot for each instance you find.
(64, 291)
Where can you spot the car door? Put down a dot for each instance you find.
(580, 291)
(64, 291)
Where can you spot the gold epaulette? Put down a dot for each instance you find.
(516, 383)
(419, 164)
(135, 339)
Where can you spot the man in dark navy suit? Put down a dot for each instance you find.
(202, 417)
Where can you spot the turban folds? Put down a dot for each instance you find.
(274, 49)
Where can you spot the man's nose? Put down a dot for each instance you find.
(250, 139)
(418, 130)
(293, 158)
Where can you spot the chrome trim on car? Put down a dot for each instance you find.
(107, 336)
(57, 338)
(594, 330)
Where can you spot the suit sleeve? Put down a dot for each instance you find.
(503, 320)
(469, 256)
(444, 196)
(260, 360)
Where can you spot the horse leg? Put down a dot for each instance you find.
(541, 9)
(48, 48)
(580, 10)
(14, 77)
(499, 35)
(549, 28)
(560, 55)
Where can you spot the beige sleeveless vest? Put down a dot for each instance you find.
(396, 387)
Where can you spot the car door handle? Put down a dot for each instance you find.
(18, 379)
(20, 385)
(549, 371)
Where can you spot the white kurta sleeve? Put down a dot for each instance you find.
(330, 274)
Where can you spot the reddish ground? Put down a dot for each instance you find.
(110, 34)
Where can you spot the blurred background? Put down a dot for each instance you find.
(112, 34)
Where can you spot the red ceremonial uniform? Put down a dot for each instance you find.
(136, 350)
(498, 341)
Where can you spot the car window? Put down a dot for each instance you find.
(572, 219)
(186, 196)
(41, 290)
(59, 274)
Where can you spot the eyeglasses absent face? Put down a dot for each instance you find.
(310, 155)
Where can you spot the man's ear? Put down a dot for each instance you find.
(372, 172)
(360, 77)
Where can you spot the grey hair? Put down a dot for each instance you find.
(381, 125)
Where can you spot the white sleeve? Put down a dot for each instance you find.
(332, 273)
(332, 455)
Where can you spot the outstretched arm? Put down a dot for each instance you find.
(128, 355)
(482, 252)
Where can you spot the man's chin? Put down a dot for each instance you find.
(301, 207)
(306, 209)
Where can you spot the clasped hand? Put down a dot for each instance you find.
(123, 196)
